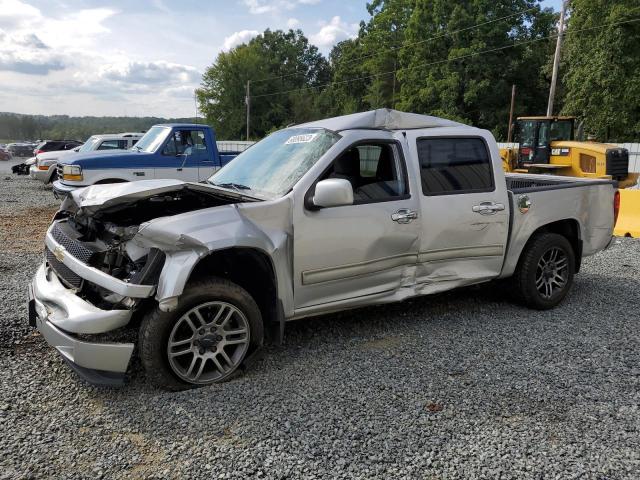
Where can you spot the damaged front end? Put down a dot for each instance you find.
(98, 272)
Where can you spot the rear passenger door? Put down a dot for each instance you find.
(465, 220)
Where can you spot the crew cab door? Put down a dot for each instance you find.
(465, 211)
(348, 253)
(179, 158)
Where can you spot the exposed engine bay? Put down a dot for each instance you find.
(103, 237)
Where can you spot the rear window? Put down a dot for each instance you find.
(454, 165)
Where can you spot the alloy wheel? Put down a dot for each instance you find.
(208, 342)
(552, 272)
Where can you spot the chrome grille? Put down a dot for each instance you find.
(59, 171)
(64, 273)
(73, 246)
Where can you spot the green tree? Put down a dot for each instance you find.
(381, 38)
(449, 70)
(343, 95)
(285, 72)
(602, 68)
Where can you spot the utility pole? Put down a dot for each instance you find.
(247, 100)
(513, 101)
(556, 59)
(195, 105)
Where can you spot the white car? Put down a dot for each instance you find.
(44, 167)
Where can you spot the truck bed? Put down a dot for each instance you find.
(527, 183)
(587, 203)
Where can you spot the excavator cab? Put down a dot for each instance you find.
(535, 135)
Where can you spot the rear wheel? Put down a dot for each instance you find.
(545, 272)
(205, 340)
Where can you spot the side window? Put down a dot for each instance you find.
(170, 148)
(134, 141)
(376, 172)
(543, 135)
(454, 165)
(185, 142)
(199, 145)
(109, 145)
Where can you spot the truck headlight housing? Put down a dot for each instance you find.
(72, 172)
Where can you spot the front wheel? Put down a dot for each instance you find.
(545, 272)
(205, 340)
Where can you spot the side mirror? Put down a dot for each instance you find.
(333, 192)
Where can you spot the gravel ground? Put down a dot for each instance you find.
(461, 385)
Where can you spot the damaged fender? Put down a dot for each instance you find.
(188, 238)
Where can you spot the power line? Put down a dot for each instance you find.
(400, 47)
(474, 54)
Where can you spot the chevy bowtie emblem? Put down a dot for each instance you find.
(58, 252)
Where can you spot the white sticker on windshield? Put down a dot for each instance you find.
(306, 138)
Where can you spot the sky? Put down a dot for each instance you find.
(142, 57)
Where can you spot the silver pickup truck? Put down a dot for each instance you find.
(363, 209)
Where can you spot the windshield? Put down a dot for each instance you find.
(88, 145)
(152, 139)
(273, 166)
(526, 132)
(562, 130)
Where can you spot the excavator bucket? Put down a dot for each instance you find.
(628, 224)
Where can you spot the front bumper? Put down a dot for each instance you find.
(42, 175)
(61, 190)
(94, 275)
(58, 313)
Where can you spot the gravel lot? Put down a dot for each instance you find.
(462, 385)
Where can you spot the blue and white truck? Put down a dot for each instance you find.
(187, 152)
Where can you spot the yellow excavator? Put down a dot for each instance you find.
(547, 145)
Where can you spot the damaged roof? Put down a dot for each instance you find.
(382, 119)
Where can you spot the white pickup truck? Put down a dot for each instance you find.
(44, 167)
(364, 209)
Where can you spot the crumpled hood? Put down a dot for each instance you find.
(97, 197)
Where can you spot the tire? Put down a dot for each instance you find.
(110, 180)
(203, 353)
(52, 178)
(543, 278)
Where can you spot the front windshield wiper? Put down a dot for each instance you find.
(235, 186)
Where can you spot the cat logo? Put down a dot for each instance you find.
(58, 252)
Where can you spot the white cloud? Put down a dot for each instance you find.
(27, 53)
(145, 73)
(293, 22)
(333, 32)
(238, 38)
(77, 70)
(15, 12)
(260, 7)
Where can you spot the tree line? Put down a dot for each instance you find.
(15, 127)
(456, 60)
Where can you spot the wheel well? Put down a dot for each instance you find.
(249, 268)
(570, 229)
(110, 180)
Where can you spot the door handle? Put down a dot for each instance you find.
(488, 208)
(404, 215)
